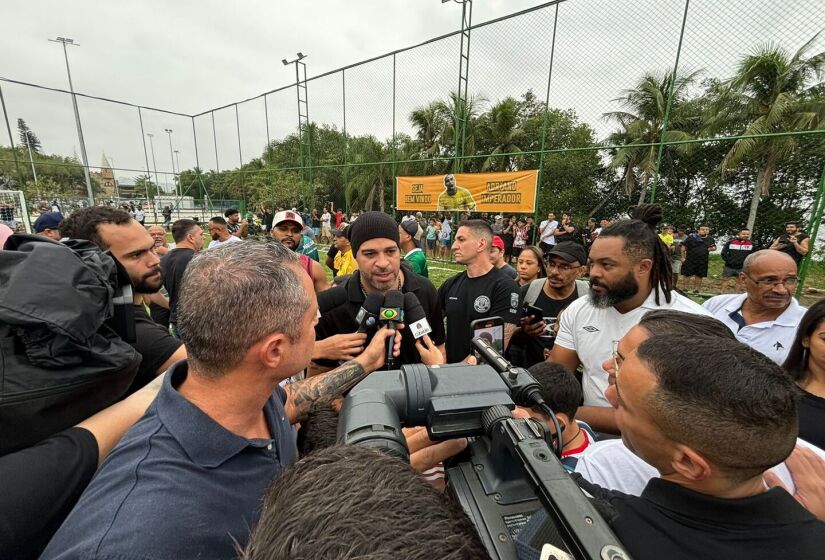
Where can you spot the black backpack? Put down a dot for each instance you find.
(61, 357)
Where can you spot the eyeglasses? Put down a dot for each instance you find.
(617, 358)
(550, 265)
(770, 283)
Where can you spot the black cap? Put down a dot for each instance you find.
(372, 225)
(569, 251)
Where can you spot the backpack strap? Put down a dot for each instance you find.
(307, 262)
(582, 288)
(533, 291)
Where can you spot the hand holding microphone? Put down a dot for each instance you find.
(392, 315)
(416, 322)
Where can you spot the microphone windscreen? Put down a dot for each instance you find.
(373, 303)
(413, 311)
(394, 299)
(414, 316)
(331, 298)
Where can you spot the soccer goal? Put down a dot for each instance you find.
(14, 212)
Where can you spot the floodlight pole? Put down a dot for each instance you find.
(154, 162)
(168, 131)
(304, 136)
(66, 41)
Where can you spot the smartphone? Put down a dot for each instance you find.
(533, 313)
(491, 329)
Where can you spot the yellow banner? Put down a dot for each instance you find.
(512, 192)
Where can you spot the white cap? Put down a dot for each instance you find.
(287, 216)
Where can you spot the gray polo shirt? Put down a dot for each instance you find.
(178, 485)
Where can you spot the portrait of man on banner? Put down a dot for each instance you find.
(455, 197)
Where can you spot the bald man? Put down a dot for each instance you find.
(159, 236)
(765, 317)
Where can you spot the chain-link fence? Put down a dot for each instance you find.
(713, 109)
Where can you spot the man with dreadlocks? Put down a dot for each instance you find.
(630, 274)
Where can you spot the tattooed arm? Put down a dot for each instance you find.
(322, 389)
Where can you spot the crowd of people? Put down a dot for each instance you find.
(698, 429)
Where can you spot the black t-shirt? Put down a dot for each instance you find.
(531, 234)
(463, 300)
(154, 343)
(173, 265)
(696, 248)
(786, 246)
(40, 486)
(341, 319)
(812, 419)
(527, 350)
(575, 235)
(673, 522)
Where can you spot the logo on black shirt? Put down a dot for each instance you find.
(482, 304)
(590, 328)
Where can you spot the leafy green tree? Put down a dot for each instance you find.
(770, 93)
(500, 132)
(27, 137)
(642, 122)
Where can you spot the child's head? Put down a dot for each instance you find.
(560, 390)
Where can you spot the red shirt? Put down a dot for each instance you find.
(339, 217)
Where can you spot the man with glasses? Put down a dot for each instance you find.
(765, 317)
(533, 339)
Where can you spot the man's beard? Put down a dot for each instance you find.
(149, 284)
(623, 291)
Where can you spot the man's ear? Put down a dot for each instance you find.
(644, 267)
(691, 464)
(271, 349)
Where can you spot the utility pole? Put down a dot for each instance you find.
(31, 161)
(168, 131)
(154, 163)
(66, 41)
(304, 136)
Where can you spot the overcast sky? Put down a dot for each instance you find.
(194, 55)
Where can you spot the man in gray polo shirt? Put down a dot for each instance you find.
(188, 478)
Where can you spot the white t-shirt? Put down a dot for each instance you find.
(139, 215)
(611, 465)
(325, 219)
(547, 234)
(772, 338)
(591, 331)
(218, 243)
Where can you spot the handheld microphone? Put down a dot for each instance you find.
(367, 317)
(330, 299)
(391, 314)
(415, 320)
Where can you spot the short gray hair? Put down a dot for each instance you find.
(751, 259)
(264, 276)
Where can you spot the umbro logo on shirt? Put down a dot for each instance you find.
(590, 328)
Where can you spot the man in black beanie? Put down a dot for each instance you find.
(375, 242)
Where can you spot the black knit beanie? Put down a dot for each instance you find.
(372, 225)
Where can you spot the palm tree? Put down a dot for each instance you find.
(430, 122)
(642, 122)
(770, 93)
(501, 127)
(366, 182)
(457, 113)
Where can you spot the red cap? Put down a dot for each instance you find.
(498, 242)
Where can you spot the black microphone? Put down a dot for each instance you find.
(415, 320)
(330, 299)
(367, 317)
(392, 313)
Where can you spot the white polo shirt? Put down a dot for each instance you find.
(591, 331)
(772, 338)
